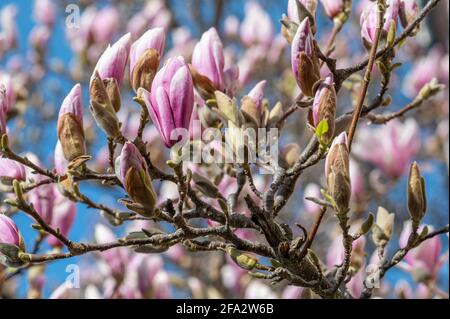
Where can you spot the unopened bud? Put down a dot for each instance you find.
(145, 70)
(417, 201)
(112, 89)
(102, 109)
(338, 174)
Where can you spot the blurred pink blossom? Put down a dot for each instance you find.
(391, 147)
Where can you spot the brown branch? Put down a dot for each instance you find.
(367, 75)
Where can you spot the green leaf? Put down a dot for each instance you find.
(322, 128)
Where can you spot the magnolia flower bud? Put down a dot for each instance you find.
(112, 89)
(417, 200)
(113, 61)
(59, 161)
(171, 100)
(145, 69)
(289, 155)
(11, 170)
(305, 64)
(369, 19)
(135, 178)
(43, 198)
(384, 225)
(3, 109)
(145, 55)
(8, 100)
(70, 125)
(64, 211)
(333, 7)
(408, 11)
(252, 104)
(324, 107)
(208, 58)
(11, 243)
(102, 108)
(337, 172)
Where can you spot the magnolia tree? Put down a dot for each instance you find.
(243, 164)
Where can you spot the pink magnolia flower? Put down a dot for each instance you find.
(43, 199)
(44, 12)
(208, 58)
(116, 258)
(154, 14)
(391, 147)
(161, 285)
(171, 99)
(357, 179)
(60, 161)
(292, 11)
(408, 10)
(11, 170)
(257, 93)
(106, 24)
(311, 190)
(424, 69)
(72, 104)
(130, 158)
(336, 253)
(231, 26)
(113, 61)
(152, 39)
(257, 290)
(356, 284)
(257, 27)
(8, 26)
(39, 37)
(332, 7)
(64, 211)
(9, 233)
(7, 100)
(424, 259)
(3, 110)
(368, 19)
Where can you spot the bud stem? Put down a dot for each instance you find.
(372, 57)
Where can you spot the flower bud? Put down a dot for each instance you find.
(102, 108)
(417, 200)
(369, 18)
(289, 155)
(3, 109)
(333, 7)
(43, 198)
(145, 55)
(59, 161)
(135, 178)
(251, 104)
(64, 211)
(9, 98)
(208, 58)
(11, 242)
(294, 11)
(145, 69)
(70, 125)
(112, 89)
(305, 64)
(113, 61)
(408, 11)
(171, 99)
(337, 172)
(324, 107)
(11, 170)
(384, 225)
